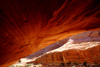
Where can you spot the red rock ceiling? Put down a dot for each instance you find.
(30, 25)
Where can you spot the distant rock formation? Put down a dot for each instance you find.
(84, 47)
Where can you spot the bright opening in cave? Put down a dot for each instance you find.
(78, 50)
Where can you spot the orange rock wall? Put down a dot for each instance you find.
(91, 55)
(30, 25)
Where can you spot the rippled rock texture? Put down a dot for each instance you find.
(30, 25)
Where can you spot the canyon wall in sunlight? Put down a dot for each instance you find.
(27, 26)
(80, 48)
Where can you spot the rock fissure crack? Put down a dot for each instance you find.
(19, 52)
(24, 46)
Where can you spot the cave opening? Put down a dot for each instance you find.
(80, 48)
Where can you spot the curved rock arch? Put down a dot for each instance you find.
(30, 25)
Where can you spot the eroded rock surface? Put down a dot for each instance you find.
(27, 26)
